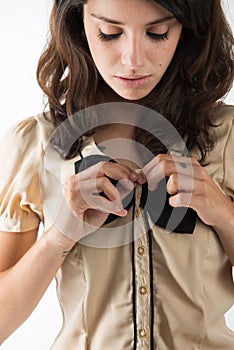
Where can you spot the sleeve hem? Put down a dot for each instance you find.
(11, 225)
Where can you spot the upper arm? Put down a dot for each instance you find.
(20, 198)
(13, 245)
(20, 195)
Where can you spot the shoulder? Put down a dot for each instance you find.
(26, 134)
(37, 125)
(223, 119)
(223, 152)
(222, 131)
(223, 112)
(23, 145)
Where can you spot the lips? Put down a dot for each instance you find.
(133, 81)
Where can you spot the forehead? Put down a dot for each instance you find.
(125, 11)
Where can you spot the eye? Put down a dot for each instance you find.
(159, 37)
(108, 37)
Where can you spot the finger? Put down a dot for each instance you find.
(92, 188)
(126, 195)
(170, 164)
(149, 166)
(158, 169)
(181, 199)
(115, 194)
(141, 178)
(177, 183)
(105, 206)
(117, 171)
(172, 184)
(124, 174)
(99, 185)
(154, 177)
(164, 166)
(124, 187)
(103, 184)
(113, 170)
(160, 159)
(78, 193)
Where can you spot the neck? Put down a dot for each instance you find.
(114, 131)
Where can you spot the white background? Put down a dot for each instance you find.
(23, 30)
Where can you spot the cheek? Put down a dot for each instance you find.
(95, 46)
(167, 53)
(103, 57)
(96, 52)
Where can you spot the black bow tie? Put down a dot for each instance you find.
(178, 220)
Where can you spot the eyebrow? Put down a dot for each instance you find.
(112, 21)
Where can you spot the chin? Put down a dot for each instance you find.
(134, 96)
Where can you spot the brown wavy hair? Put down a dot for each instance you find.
(200, 73)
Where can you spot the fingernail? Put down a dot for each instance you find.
(133, 175)
(141, 179)
(123, 212)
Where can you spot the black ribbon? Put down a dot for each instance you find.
(178, 220)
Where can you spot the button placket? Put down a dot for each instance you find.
(142, 278)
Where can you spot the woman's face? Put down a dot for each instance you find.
(132, 43)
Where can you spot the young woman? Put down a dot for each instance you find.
(128, 276)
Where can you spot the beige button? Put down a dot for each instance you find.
(142, 250)
(143, 333)
(143, 290)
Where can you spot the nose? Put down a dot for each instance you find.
(133, 53)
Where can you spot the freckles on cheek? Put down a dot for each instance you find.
(162, 67)
(168, 55)
(163, 63)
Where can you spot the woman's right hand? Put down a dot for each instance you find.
(85, 210)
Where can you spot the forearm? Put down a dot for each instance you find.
(23, 285)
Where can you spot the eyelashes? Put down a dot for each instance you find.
(108, 37)
(111, 37)
(159, 37)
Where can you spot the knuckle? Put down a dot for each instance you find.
(71, 181)
(159, 158)
(70, 195)
(163, 165)
(102, 182)
(116, 206)
(203, 172)
(72, 189)
(194, 161)
(105, 181)
(99, 168)
(174, 180)
(70, 184)
(103, 165)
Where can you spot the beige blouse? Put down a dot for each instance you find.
(155, 290)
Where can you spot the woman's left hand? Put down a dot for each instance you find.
(189, 185)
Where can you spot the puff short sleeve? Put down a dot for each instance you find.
(21, 149)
